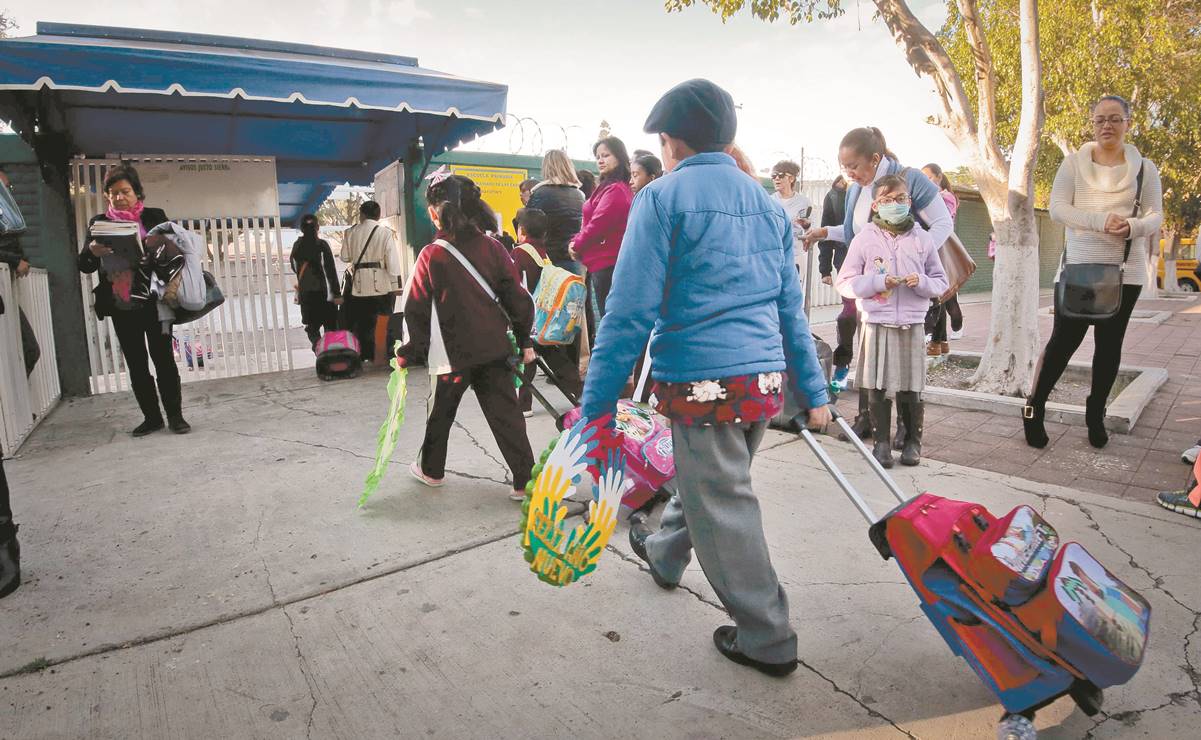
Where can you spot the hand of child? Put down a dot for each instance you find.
(827, 280)
(99, 249)
(818, 418)
(891, 281)
(912, 280)
(528, 356)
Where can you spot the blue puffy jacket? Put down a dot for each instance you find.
(707, 263)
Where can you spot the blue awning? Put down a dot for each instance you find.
(328, 116)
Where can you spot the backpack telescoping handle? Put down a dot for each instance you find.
(843, 482)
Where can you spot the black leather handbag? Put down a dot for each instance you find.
(1092, 291)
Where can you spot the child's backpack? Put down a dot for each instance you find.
(338, 355)
(558, 302)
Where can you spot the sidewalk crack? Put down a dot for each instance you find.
(487, 453)
(303, 664)
(837, 689)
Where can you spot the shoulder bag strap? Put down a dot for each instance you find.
(362, 253)
(450, 248)
(1138, 196)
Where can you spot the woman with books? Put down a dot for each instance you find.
(115, 250)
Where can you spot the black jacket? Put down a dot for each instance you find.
(321, 273)
(564, 208)
(830, 254)
(89, 263)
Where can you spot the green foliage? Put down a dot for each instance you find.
(1148, 51)
(795, 11)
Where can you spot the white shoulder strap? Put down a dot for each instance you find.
(469, 267)
(533, 253)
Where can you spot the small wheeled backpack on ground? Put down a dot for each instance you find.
(792, 417)
(338, 355)
(646, 439)
(1034, 619)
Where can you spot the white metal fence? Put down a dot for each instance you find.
(245, 254)
(817, 292)
(25, 399)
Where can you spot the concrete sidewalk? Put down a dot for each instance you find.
(224, 585)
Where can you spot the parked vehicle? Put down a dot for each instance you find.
(1188, 271)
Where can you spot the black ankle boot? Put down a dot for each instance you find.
(10, 558)
(148, 426)
(862, 427)
(176, 423)
(1032, 424)
(1094, 417)
(881, 412)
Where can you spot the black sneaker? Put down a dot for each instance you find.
(178, 425)
(147, 427)
(638, 534)
(725, 639)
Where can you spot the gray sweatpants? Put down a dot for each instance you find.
(715, 512)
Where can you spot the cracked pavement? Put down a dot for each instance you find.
(225, 585)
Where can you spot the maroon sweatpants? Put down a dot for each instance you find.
(493, 386)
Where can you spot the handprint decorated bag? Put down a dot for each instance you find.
(646, 439)
(558, 306)
(1091, 619)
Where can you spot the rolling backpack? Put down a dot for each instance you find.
(1036, 619)
(558, 302)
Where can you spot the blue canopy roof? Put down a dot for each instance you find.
(328, 116)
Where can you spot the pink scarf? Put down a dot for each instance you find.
(134, 214)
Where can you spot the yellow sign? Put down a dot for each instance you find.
(499, 187)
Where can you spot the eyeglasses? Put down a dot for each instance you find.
(778, 175)
(898, 198)
(1114, 120)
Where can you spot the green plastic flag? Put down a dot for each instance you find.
(389, 431)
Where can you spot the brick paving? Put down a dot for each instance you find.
(1133, 466)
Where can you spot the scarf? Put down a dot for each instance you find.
(134, 214)
(895, 229)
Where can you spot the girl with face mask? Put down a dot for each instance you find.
(892, 268)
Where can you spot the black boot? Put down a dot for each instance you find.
(863, 420)
(881, 414)
(10, 558)
(898, 439)
(1094, 417)
(910, 409)
(1032, 423)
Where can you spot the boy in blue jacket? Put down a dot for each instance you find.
(706, 272)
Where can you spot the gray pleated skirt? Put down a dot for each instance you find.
(892, 358)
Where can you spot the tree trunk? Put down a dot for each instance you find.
(1171, 239)
(1012, 347)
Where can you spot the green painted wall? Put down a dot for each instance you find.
(973, 225)
(424, 230)
(50, 243)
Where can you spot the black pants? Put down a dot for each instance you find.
(493, 386)
(848, 323)
(6, 511)
(363, 312)
(599, 283)
(317, 313)
(1066, 337)
(936, 318)
(143, 341)
(558, 359)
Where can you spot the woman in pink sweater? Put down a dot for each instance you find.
(604, 225)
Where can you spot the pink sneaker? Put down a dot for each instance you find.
(415, 471)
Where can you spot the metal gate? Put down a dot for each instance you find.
(248, 334)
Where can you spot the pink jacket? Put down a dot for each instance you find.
(951, 200)
(605, 216)
(875, 253)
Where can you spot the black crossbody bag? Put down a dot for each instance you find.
(1092, 291)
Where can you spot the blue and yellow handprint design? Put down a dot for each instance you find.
(556, 556)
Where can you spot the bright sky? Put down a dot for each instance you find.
(571, 63)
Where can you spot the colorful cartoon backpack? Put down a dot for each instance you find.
(558, 302)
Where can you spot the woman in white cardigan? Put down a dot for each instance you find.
(1093, 197)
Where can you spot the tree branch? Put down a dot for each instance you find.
(986, 83)
(929, 59)
(1030, 123)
